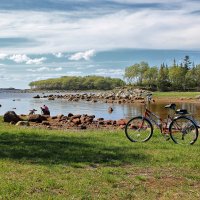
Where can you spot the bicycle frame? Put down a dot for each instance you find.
(162, 125)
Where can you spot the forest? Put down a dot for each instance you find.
(184, 76)
(78, 83)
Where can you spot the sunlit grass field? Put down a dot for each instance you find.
(42, 164)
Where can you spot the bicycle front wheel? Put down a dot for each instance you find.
(183, 131)
(139, 129)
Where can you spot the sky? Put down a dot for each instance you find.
(42, 39)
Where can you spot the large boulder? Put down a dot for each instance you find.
(121, 122)
(37, 118)
(11, 116)
(37, 96)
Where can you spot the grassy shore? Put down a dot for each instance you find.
(41, 164)
(176, 94)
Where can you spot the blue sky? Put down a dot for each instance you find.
(51, 38)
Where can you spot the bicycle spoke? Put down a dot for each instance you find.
(138, 129)
(183, 131)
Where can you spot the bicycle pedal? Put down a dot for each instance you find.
(167, 137)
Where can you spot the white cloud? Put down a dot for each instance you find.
(3, 56)
(18, 58)
(47, 69)
(36, 61)
(110, 72)
(86, 55)
(74, 31)
(23, 58)
(58, 55)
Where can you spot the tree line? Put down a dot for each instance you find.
(78, 83)
(178, 77)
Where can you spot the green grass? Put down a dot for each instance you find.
(41, 164)
(176, 94)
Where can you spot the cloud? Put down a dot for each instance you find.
(110, 72)
(3, 56)
(58, 55)
(87, 55)
(23, 58)
(168, 25)
(47, 69)
(36, 61)
(18, 58)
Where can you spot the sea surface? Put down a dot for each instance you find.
(22, 103)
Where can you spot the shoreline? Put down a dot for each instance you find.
(176, 100)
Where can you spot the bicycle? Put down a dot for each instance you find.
(179, 125)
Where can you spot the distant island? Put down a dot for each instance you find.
(78, 83)
(9, 89)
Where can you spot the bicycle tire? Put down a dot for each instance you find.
(183, 130)
(139, 129)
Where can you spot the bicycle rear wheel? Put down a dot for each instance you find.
(139, 129)
(183, 131)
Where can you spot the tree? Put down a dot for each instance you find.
(163, 82)
(132, 73)
(177, 77)
(150, 77)
(78, 83)
(187, 63)
(135, 73)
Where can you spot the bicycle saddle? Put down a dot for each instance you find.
(171, 106)
(182, 112)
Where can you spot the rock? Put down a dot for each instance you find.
(11, 116)
(51, 98)
(36, 118)
(108, 122)
(54, 117)
(110, 109)
(75, 116)
(37, 96)
(114, 122)
(46, 123)
(91, 116)
(100, 119)
(0, 105)
(82, 126)
(88, 119)
(70, 115)
(22, 123)
(139, 98)
(121, 122)
(60, 116)
(122, 126)
(101, 122)
(76, 121)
